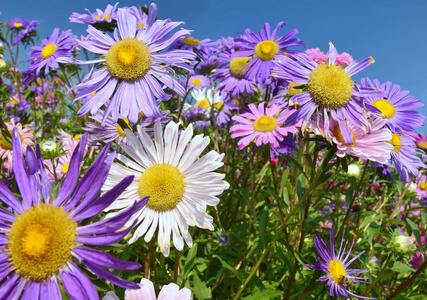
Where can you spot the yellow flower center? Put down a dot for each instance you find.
(120, 130)
(140, 25)
(265, 123)
(385, 107)
(396, 142)
(128, 59)
(17, 24)
(330, 85)
(237, 64)
(4, 144)
(191, 41)
(106, 16)
(422, 145)
(266, 50)
(48, 50)
(422, 185)
(196, 82)
(340, 138)
(219, 106)
(292, 90)
(41, 241)
(336, 270)
(96, 17)
(203, 103)
(65, 167)
(164, 184)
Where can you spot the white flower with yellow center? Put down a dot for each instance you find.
(206, 98)
(179, 182)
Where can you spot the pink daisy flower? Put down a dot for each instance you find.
(421, 189)
(24, 133)
(371, 145)
(421, 141)
(264, 125)
(318, 56)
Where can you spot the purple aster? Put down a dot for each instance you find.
(53, 47)
(396, 107)
(330, 89)
(134, 71)
(107, 15)
(198, 82)
(25, 32)
(42, 235)
(205, 46)
(263, 125)
(404, 156)
(339, 277)
(17, 23)
(142, 19)
(263, 48)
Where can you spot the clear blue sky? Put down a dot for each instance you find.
(393, 32)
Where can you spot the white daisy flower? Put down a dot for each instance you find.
(206, 98)
(179, 182)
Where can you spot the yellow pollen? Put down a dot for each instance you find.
(17, 24)
(422, 185)
(191, 41)
(203, 103)
(120, 130)
(330, 85)
(65, 167)
(140, 25)
(385, 107)
(265, 123)
(266, 50)
(164, 184)
(97, 17)
(219, 106)
(128, 59)
(77, 137)
(396, 142)
(340, 138)
(196, 82)
(422, 145)
(336, 270)
(237, 64)
(106, 16)
(41, 241)
(48, 50)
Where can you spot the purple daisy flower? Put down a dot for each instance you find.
(17, 23)
(205, 46)
(53, 47)
(263, 48)
(134, 70)
(107, 15)
(339, 277)
(42, 238)
(198, 82)
(25, 32)
(330, 88)
(263, 125)
(144, 20)
(396, 107)
(404, 156)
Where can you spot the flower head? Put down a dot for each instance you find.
(338, 276)
(43, 238)
(99, 15)
(179, 181)
(17, 23)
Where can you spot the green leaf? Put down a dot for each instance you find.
(263, 221)
(264, 295)
(200, 289)
(189, 260)
(416, 232)
(401, 268)
(228, 267)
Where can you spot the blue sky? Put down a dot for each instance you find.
(393, 32)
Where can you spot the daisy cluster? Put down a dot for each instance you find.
(186, 162)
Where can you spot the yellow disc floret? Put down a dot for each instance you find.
(48, 50)
(266, 50)
(196, 82)
(336, 270)
(17, 24)
(191, 41)
(128, 59)
(237, 66)
(120, 130)
(219, 106)
(385, 107)
(330, 85)
(340, 138)
(164, 184)
(422, 145)
(396, 142)
(41, 241)
(265, 123)
(203, 103)
(422, 185)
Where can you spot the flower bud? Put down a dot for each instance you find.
(49, 146)
(353, 170)
(403, 244)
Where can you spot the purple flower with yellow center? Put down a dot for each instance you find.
(198, 82)
(106, 15)
(263, 47)
(144, 20)
(264, 125)
(43, 238)
(134, 71)
(330, 88)
(339, 277)
(206, 46)
(18, 23)
(232, 74)
(53, 47)
(397, 107)
(25, 32)
(404, 156)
